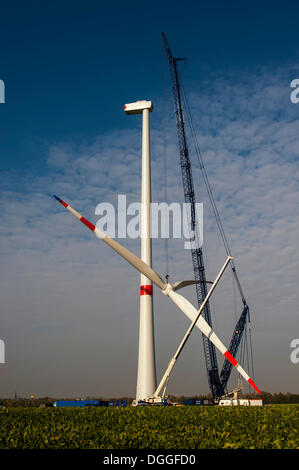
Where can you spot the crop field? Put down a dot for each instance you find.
(269, 427)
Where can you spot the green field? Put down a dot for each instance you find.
(269, 427)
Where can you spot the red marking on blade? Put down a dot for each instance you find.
(254, 386)
(125, 107)
(61, 201)
(88, 224)
(231, 359)
(146, 290)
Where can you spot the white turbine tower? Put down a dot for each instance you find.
(146, 376)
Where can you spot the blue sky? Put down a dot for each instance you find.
(68, 69)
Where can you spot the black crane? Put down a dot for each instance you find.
(217, 383)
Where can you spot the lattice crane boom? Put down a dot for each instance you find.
(197, 255)
(217, 383)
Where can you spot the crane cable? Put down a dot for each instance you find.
(215, 209)
(209, 189)
(165, 167)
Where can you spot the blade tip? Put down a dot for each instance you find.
(61, 201)
(251, 382)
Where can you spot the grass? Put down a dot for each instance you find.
(204, 427)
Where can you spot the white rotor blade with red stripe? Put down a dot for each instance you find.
(121, 250)
(178, 299)
(191, 312)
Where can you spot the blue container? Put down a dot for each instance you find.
(188, 402)
(193, 402)
(198, 402)
(76, 403)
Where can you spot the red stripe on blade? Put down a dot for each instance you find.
(254, 386)
(64, 203)
(231, 359)
(146, 290)
(87, 223)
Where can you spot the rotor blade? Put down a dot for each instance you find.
(205, 328)
(121, 250)
(180, 284)
(178, 299)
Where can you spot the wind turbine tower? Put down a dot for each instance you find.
(146, 376)
(146, 379)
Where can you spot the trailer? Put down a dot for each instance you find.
(152, 402)
(240, 402)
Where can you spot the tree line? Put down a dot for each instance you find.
(267, 397)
